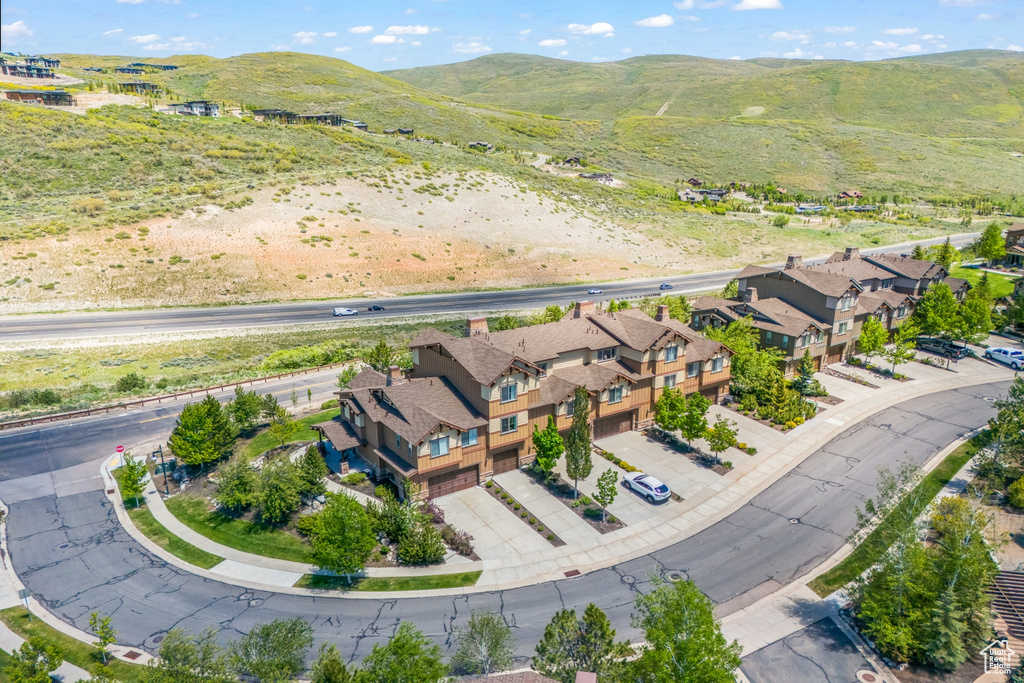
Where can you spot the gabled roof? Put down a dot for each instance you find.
(956, 283)
(596, 376)
(912, 269)
(830, 284)
(484, 361)
(772, 314)
(416, 407)
(367, 377)
(340, 432)
(858, 268)
(754, 271)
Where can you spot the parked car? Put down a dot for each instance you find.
(375, 307)
(943, 347)
(651, 488)
(593, 290)
(345, 311)
(1012, 357)
(665, 285)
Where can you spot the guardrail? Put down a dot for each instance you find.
(167, 397)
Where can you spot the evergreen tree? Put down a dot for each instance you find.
(578, 462)
(731, 290)
(282, 427)
(549, 446)
(506, 322)
(191, 440)
(380, 357)
(946, 254)
(277, 496)
(222, 432)
(983, 290)
(572, 644)
(918, 253)
(312, 470)
(329, 667)
(245, 409)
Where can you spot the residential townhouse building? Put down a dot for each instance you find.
(468, 407)
(1014, 244)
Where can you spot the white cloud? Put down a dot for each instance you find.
(143, 40)
(130, 2)
(360, 29)
(409, 30)
(660, 21)
(840, 29)
(416, 43)
(591, 29)
(913, 48)
(800, 54)
(900, 31)
(342, 49)
(735, 58)
(689, 17)
(305, 37)
(331, 34)
(112, 32)
(986, 17)
(563, 53)
(525, 32)
(691, 4)
(850, 43)
(758, 4)
(383, 40)
(474, 48)
(279, 48)
(802, 36)
(192, 15)
(410, 11)
(892, 49)
(1014, 48)
(627, 50)
(178, 44)
(18, 29)
(551, 42)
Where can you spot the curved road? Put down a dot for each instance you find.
(69, 549)
(27, 328)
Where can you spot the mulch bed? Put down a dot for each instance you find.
(879, 372)
(564, 492)
(734, 407)
(524, 515)
(832, 372)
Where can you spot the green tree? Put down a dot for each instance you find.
(983, 290)
(578, 462)
(873, 338)
(694, 421)
(918, 253)
(283, 427)
(678, 307)
(343, 536)
(329, 667)
(409, 657)
(804, 381)
(754, 371)
(34, 661)
(188, 658)
(269, 406)
(245, 409)
(991, 246)
(380, 357)
(277, 495)
(946, 254)
(506, 322)
(669, 409)
(485, 645)
(549, 446)
(606, 490)
(237, 484)
(105, 634)
(274, 652)
(903, 345)
(684, 642)
(936, 312)
(130, 382)
(572, 644)
(312, 470)
(347, 375)
(191, 441)
(551, 314)
(133, 477)
(720, 436)
(975, 318)
(780, 221)
(732, 289)
(295, 398)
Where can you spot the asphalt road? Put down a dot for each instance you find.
(69, 549)
(73, 325)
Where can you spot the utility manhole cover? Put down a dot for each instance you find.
(256, 602)
(628, 580)
(990, 399)
(674, 575)
(246, 596)
(794, 520)
(868, 676)
(64, 546)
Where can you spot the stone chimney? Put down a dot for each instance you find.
(750, 294)
(795, 261)
(394, 375)
(662, 315)
(476, 326)
(585, 677)
(583, 309)
(851, 253)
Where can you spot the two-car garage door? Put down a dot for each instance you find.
(450, 482)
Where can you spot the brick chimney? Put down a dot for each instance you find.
(583, 308)
(476, 326)
(394, 374)
(662, 315)
(795, 261)
(750, 295)
(851, 253)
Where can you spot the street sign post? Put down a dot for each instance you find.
(119, 449)
(23, 594)
(160, 452)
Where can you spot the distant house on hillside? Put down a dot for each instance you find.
(161, 67)
(481, 145)
(405, 131)
(694, 182)
(141, 87)
(130, 70)
(43, 61)
(355, 123)
(25, 70)
(572, 161)
(327, 119)
(196, 108)
(603, 178)
(689, 196)
(95, 69)
(849, 194)
(51, 98)
(275, 115)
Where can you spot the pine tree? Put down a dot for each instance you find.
(578, 462)
(312, 470)
(191, 441)
(918, 253)
(572, 644)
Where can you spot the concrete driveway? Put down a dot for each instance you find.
(497, 534)
(654, 457)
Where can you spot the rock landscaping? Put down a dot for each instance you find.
(522, 513)
(584, 506)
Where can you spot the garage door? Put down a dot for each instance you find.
(506, 462)
(616, 424)
(450, 482)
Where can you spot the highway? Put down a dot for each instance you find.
(67, 546)
(28, 328)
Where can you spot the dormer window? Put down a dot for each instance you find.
(615, 395)
(543, 370)
(671, 354)
(606, 354)
(847, 302)
(887, 284)
(509, 392)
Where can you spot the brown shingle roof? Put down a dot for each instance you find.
(858, 268)
(417, 406)
(517, 677)
(340, 433)
(913, 269)
(595, 376)
(553, 390)
(753, 271)
(956, 283)
(830, 284)
(778, 316)
(367, 377)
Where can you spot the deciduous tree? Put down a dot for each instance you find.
(34, 661)
(274, 652)
(343, 536)
(669, 408)
(409, 657)
(873, 338)
(329, 667)
(277, 496)
(936, 312)
(903, 344)
(283, 426)
(606, 490)
(720, 436)
(133, 476)
(237, 484)
(485, 645)
(105, 634)
(549, 446)
(347, 375)
(991, 246)
(189, 658)
(693, 423)
(380, 357)
(506, 322)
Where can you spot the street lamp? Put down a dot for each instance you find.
(160, 452)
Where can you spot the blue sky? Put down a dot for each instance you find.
(386, 35)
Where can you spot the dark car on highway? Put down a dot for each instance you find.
(943, 347)
(375, 308)
(666, 286)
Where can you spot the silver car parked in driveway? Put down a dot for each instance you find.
(651, 488)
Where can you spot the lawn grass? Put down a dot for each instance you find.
(144, 521)
(75, 651)
(1001, 285)
(5, 661)
(396, 583)
(264, 441)
(250, 537)
(871, 549)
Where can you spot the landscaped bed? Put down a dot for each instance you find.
(832, 372)
(512, 504)
(584, 506)
(389, 583)
(708, 461)
(877, 369)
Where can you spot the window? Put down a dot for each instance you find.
(717, 364)
(606, 354)
(408, 447)
(768, 337)
(887, 284)
(543, 369)
(398, 441)
(670, 381)
(439, 446)
(821, 336)
(348, 413)
(671, 354)
(785, 341)
(843, 327)
(509, 424)
(615, 395)
(692, 369)
(901, 311)
(847, 301)
(570, 407)
(469, 438)
(508, 393)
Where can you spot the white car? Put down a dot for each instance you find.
(651, 488)
(345, 311)
(593, 290)
(1012, 357)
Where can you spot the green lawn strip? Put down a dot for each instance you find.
(870, 551)
(396, 583)
(5, 661)
(250, 537)
(264, 441)
(145, 522)
(75, 651)
(1001, 285)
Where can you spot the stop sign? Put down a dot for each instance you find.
(119, 449)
